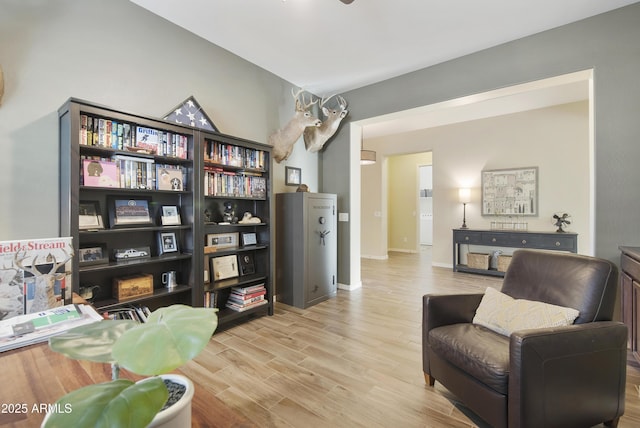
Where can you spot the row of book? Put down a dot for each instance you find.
(227, 154)
(107, 133)
(245, 298)
(136, 313)
(128, 172)
(218, 182)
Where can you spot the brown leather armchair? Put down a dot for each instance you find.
(571, 376)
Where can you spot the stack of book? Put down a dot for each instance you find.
(135, 313)
(244, 298)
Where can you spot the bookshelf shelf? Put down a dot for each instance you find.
(139, 162)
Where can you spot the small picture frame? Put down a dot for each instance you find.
(249, 238)
(100, 173)
(129, 212)
(167, 243)
(246, 263)
(93, 254)
(292, 176)
(170, 215)
(168, 178)
(224, 267)
(89, 217)
(222, 240)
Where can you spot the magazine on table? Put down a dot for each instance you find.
(28, 329)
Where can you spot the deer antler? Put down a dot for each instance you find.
(35, 272)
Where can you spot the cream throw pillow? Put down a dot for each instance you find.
(504, 314)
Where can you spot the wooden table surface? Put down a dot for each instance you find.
(34, 377)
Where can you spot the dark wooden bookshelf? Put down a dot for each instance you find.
(190, 261)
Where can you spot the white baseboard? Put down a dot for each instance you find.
(442, 265)
(374, 257)
(349, 287)
(402, 250)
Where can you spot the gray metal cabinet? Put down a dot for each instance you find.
(306, 248)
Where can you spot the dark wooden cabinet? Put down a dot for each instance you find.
(630, 294)
(162, 169)
(464, 238)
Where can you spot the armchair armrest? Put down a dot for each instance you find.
(567, 376)
(441, 309)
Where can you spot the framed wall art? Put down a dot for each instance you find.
(292, 176)
(510, 191)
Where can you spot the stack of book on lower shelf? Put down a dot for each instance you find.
(135, 313)
(244, 298)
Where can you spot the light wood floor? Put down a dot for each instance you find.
(352, 361)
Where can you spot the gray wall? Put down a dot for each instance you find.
(608, 43)
(116, 54)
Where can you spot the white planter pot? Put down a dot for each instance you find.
(179, 414)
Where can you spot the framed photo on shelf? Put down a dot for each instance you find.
(169, 178)
(167, 242)
(129, 212)
(89, 217)
(249, 238)
(246, 263)
(510, 191)
(93, 254)
(224, 267)
(292, 176)
(170, 216)
(100, 173)
(222, 240)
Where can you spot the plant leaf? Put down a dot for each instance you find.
(120, 403)
(92, 342)
(171, 336)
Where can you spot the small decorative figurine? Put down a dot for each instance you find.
(561, 221)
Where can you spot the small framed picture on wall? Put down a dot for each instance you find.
(293, 176)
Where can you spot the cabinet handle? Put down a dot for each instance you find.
(557, 244)
(524, 242)
(493, 239)
(466, 238)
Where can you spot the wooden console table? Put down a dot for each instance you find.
(509, 239)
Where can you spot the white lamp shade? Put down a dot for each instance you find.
(464, 195)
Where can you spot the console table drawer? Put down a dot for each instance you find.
(548, 242)
(467, 237)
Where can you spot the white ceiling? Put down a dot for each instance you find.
(325, 46)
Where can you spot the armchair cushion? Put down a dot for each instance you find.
(504, 314)
(480, 352)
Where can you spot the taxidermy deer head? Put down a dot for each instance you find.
(283, 139)
(314, 138)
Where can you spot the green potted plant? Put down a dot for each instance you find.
(171, 336)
